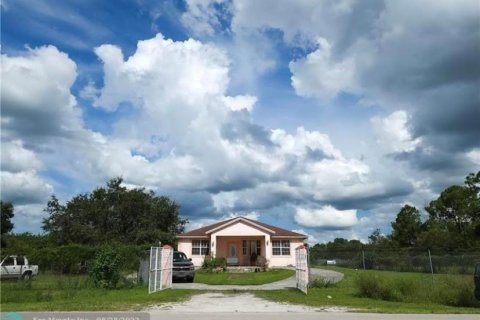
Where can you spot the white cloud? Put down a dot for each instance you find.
(318, 75)
(474, 156)
(240, 102)
(326, 217)
(24, 187)
(393, 132)
(312, 239)
(16, 158)
(49, 109)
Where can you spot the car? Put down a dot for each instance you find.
(476, 279)
(17, 267)
(183, 267)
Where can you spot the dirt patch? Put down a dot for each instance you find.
(240, 302)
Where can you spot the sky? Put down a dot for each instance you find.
(322, 117)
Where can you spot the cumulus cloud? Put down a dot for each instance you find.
(24, 187)
(318, 75)
(15, 158)
(49, 109)
(393, 132)
(326, 217)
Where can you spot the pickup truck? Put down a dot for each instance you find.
(182, 267)
(17, 267)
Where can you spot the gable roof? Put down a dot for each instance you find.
(275, 232)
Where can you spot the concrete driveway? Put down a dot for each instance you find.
(329, 275)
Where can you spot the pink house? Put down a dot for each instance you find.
(240, 240)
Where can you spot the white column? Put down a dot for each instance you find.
(268, 248)
(213, 245)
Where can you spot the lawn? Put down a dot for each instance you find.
(247, 278)
(75, 293)
(408, 293)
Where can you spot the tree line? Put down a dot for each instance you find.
(107, 215)
(453, 223)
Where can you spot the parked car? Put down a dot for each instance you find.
(183, 267)
(476, 279)
(17, 267)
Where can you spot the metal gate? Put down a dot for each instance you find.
(161, 266)
(301, 262)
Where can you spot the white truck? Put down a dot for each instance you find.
(17, 267)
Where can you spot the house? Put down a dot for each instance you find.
(241, 240)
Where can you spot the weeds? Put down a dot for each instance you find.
(445, 290)
(321, 283)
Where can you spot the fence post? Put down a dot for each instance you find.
(431, 265)
(363, 259)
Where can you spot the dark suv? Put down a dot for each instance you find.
(182, 267)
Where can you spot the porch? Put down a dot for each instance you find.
(241, 252)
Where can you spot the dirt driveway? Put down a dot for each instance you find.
(234, 302)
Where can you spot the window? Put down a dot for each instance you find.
(200, 247)
(253, 245)
(281, 247)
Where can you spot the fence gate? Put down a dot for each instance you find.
(301, 263)
(160, 270)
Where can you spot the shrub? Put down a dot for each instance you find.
(211, 263)
(262, 262)
(320, 283)
(371, 286)
(106, 268)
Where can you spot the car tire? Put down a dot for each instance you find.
(477, 293)
(27, 276)
(190, 279)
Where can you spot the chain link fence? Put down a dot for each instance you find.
(403, 260)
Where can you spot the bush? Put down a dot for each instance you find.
(210, 263)
(106, 268)
(320, 283)
(371, 286)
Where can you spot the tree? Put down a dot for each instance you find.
(407, 226)
(458, 209)
(133, 216)
(6, 214)
(376, 238)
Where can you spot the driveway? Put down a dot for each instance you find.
(245, 306)
(329, 275)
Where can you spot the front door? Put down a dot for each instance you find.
(232, 254)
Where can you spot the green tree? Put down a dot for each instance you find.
(6, 214)
(377, 239)
(407, 226)
(114, 213)
(458, 209)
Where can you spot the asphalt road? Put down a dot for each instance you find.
(305, 316)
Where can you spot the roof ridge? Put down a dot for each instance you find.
(199, 232)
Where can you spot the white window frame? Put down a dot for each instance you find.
(203, 247)
(283, 246)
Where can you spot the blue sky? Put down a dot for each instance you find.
(323, 117)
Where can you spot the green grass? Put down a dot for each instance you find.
(75, 293)
(410, 293)
(247, 278)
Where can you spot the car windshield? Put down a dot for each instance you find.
(179, 256)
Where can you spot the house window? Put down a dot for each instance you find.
(254, 245)
(200, 247)
(281, 247)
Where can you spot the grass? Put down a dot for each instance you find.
(75, 293)
(407, 293)
(247, 278)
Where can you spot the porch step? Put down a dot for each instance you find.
(242, 269)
